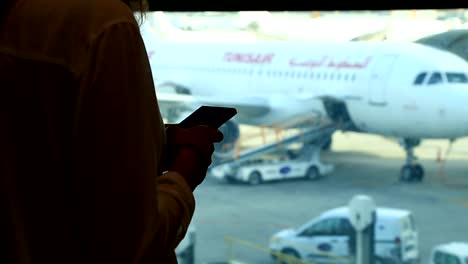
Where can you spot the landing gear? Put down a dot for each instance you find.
(411, 171)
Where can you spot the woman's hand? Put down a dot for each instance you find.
(189, 151)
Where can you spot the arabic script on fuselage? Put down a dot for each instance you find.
(325, 61)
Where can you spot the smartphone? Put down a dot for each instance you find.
(212, 116)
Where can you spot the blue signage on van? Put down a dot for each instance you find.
(285, 170)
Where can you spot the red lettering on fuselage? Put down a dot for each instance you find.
(249, 58)
(330, 63)
(349, 65)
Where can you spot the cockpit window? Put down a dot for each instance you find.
(420, 78)
(456, 77)
(436, 77)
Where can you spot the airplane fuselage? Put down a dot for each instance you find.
(375, 81)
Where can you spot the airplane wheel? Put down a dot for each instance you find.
(255, 178)
(406, 174)
(418, 172)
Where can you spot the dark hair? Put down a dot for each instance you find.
(136, 5)
(4, 6)
(139, 6)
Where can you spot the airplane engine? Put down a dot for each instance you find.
(225, 149)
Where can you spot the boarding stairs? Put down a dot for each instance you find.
(311, 129)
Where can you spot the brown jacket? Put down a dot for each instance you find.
(81, 140)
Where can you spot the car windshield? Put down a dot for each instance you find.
(445, 258)
(331, 106)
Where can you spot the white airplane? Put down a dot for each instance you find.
(403, 90)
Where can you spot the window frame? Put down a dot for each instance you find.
(418, 81)
(456, 73)
(435, 74)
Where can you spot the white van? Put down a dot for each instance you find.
(450, 253)
(325, 239)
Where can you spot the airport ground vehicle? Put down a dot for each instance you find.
(185, 251)
(450, 253)
(271, 168)
(326, 238)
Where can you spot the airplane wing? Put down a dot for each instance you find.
(335, 94)
(248, 106)
(175, 100)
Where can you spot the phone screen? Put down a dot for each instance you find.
(213, 116)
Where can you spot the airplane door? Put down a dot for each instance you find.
(379, 79)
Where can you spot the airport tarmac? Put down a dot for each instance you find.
(364, 164)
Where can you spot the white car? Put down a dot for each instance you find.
(450, 253)
(185, 251)
(326, 238)
(263, 170)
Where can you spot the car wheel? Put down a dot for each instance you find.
(255, 178)
(230, 180)
(191, 255)
(187, 256)
(312, 173)
(379, 261)
(289, 256)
